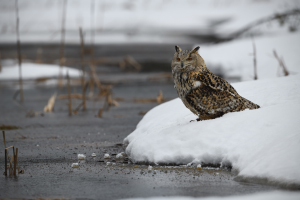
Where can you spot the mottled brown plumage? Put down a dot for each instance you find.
(204, 93)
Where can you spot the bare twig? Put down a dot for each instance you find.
(69, 94)
(278, 16)
(82, 68)
(19, 53)
(281, 63)
(62, 43)
(254, 60)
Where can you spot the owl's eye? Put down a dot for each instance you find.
(178, 59)
(189, 59)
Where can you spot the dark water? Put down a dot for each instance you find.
(48, 145)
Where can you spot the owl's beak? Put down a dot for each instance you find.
(181, 64)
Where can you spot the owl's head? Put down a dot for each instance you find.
(187, 60)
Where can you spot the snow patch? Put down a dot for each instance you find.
(274, 195)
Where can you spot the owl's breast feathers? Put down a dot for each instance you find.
(210, 96)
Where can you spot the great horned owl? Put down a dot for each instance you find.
(204, 93)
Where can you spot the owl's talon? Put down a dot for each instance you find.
(198, 119)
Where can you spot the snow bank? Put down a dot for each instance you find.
(33, 71)
(276, 195)
(235, 57)
(262, 143)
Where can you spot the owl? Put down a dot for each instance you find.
(207, 95)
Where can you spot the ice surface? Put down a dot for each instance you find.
(274, 195)
(33, 71)
(262, 143)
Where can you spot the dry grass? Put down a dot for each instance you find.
(159, 99)
(8, 127)
(281, 63)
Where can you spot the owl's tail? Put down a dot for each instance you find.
(250, 104)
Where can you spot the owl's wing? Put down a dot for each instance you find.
(216, 83)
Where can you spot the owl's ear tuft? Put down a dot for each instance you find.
(195, 50)
(177, 49)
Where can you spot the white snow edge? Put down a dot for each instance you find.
(274, 195)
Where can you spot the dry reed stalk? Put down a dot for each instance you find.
(50, 105)
(6, 155)
(100, 113)
(0, 63)
(131, 61)
(94, 80)
(281, 63)
(39, 55)
(69, 95)
(254, 60)
(82, 68)
(73, 96)
(160, 98)
(11, 160)
(167, 76)
(62, 44)
(15, 161)
(3, 133)
(19, 52)
(92, 28)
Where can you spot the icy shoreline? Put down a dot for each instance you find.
(260, 144)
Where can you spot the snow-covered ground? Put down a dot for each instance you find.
(236, 57)
(262, 143)
(259, 196)
(34, 71)
(125, 21)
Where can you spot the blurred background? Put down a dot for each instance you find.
(133, 40)
(144, 30)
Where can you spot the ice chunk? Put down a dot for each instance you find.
(120, 155)
(93, 155)
(106, 156)
(81, 156)
(150, 168)
(75, 165)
